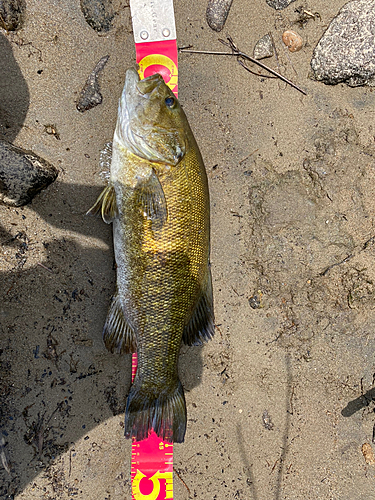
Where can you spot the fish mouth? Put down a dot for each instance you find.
(149, 84)
(136, 89)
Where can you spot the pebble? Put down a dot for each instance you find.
(90, 95)
(11, 14)
(279, 4)
(23, 174)
(264, 47)
(346, 51)
(292, 40)
(217, 13)
(368, 454)
(98, 14)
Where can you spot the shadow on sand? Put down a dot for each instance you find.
(14, 93)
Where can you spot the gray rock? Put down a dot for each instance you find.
(217, 13)
(98, 14)
(279, 4)
(346, 51)
(264, 47)
(23, 174)
(90, 95)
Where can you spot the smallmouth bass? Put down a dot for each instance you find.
(157, 199)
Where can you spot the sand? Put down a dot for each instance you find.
(280, 403)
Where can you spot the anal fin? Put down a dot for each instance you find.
(201, 326)
(118, 335)
(105, 205)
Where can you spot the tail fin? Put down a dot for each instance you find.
(164, 412)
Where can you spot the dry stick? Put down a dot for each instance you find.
(180, 478)
(238, 53)
(230, 43)
(241, 63)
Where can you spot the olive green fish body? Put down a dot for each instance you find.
(158, 201)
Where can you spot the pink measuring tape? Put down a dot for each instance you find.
(156, 52)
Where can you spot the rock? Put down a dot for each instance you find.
(292, 40)
(264, 47)
(90, 95)
(98, 14)
(279, 4)
(346, 51)
(23, 174)
(11, 14)
(217, 13)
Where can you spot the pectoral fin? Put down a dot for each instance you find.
(118, 335)
(151, 199)
(105, 205)
(201, 326)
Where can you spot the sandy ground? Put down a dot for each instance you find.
(281, 401)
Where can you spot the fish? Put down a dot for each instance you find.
(157, 200)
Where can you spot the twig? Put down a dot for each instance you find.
(248, 156)
(241, 63)
(274, 465)
(180, 478)
(323, 273)
(44, 267)
(291, 401)
(370, 241)
(239, 54)
(209, 52)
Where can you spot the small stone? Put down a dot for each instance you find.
(90, 95)
(263, 48)
(23, 174)
(217, 13)
(292, 40)
(346, 51)
(279, 4)
(368, 454)
(255, 301)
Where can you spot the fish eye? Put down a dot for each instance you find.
(170, 101)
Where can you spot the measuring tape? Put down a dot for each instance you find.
(155, 39)
(156, 52)
(151, 464)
